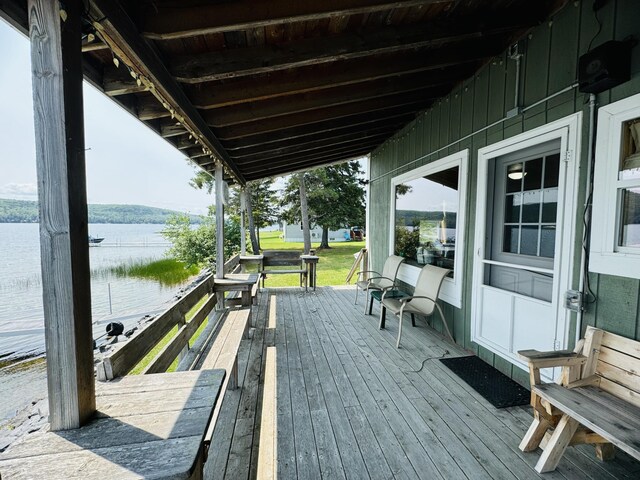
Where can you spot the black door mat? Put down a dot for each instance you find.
(493, 385)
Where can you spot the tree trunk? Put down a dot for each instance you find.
(255, 245)
(325, 238)
(304, 213)
(258, 237)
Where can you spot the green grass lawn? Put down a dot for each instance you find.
(333, 266)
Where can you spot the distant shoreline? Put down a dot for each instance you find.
(26, 211)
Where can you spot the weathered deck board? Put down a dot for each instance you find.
(351, 405)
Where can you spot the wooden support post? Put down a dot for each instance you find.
(219, 227)
(56, 59)
(243, 224)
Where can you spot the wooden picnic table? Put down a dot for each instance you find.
(146, 426)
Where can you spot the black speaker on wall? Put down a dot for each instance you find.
(605, 67)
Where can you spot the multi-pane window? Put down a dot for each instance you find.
(531, 204)
(628, 186)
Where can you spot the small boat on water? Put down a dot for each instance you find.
(95, 241)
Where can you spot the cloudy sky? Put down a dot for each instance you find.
(127, 163)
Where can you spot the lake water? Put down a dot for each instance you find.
(113, 298)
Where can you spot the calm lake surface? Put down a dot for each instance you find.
(113, 298)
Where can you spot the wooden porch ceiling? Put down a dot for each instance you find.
(273, 86)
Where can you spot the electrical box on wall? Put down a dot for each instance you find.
(605, 67)
(573, 300)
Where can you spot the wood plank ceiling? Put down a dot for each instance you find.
(273, 86)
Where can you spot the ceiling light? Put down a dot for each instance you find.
(514, 172)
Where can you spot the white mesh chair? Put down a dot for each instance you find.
(378, 281)
(422, 302)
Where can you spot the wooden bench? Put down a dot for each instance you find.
(283, 258)
(238, 297)
(223, 354)
(154, 425)
(146, 426)
(597, 400)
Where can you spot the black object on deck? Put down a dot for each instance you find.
(493, 385)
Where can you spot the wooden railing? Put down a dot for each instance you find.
(123, 358)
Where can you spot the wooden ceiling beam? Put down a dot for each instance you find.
(320, 130)
(411, 100)
(298, 151)
(329, 138)
(269, 171)
(255, 60)
(171, 128)
(314, 107)
(302, 160)
(442, 63)
(116, 29)
(163, 20)
(118, 81)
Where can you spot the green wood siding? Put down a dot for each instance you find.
(549, 65)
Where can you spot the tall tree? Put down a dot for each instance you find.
(335, 198)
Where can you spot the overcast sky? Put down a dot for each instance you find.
(127, 163)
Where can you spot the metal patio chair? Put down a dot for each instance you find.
(422, 302)
(383, 281)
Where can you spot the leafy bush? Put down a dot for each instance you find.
(407, 242)
(197, 245)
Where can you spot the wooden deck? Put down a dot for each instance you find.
(348, 404)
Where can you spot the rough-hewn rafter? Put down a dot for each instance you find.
(117, 29)
(292, 153)
(411, 100)
(336, 127)
(234, 63)
(162, 20)
(315, 140)
(313, 106)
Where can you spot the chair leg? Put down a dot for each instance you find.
(383, 311)
(444, 322)
(413, 320)
(400, 315)
(557, 444)
(366, 299)
(357, 288)
(370, 304)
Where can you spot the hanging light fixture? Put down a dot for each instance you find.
(515, 171)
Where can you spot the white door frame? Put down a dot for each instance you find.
(567, 130)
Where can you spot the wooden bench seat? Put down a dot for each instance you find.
(597, 399)
(223, 354)
(146, 426)
(614, 419)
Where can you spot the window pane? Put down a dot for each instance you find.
(531, 207)
(512, 208)
(533, 174)
(550, 205)
(630, 158)
(548, 241)
(529, 240)
(551, 170)
(514, 177)
(510, 241)
(426, 213)
(630, 222)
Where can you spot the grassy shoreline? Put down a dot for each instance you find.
(167, 271)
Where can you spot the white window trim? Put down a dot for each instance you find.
(451, 290)
(568, 131)
(605, 256)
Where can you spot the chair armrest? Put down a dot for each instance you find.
(408, 299)
(556, 358)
